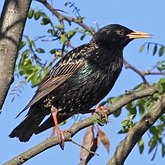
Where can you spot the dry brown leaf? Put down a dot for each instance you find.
(91, 144)
(103, 138)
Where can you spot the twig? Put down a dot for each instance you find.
(62, 17)
(91, 152)
(140, 73)
(53, 141)
(147, 73)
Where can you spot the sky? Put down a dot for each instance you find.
(140, 15)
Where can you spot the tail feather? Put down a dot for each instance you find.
(27, 127)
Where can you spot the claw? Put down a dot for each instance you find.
(104, 110)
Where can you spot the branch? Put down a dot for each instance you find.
(12, 24)
(140, 73)
(137, 131)
(53, 141)
(62, 17)
(147, 73)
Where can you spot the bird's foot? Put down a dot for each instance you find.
(103, 112)
(56, 127)
(57, 130)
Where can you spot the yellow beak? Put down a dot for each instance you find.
(134, 35)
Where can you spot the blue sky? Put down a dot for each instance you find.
(139, 15)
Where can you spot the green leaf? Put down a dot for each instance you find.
(29, 77)
(40, 50)
(131, 108)
(30, 13)
(153, 130)
(161, 51)
(82, 37)
(155, 49)
(125, 123)
(53, 51)
(141, 145)
(63, 38)
(161, 85)
(163, 150)
(141, 48)
(148, 47)
(24, 57)
(45, 21)
(37, 15)
(152, 144)
(31, 43)
(117, 113)
(22, 44)
(71, 33)
(59, 27)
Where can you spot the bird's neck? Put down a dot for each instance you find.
(107, 59)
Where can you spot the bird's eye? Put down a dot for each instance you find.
(120, 32)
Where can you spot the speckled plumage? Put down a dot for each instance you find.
(77, 82)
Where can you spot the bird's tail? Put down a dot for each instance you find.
(27, 127)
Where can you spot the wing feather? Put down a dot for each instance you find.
(51, 82)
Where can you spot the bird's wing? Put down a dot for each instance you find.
(57, 75)
(53, 81)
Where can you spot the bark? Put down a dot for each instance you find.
(12, 22)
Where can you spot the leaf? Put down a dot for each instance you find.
(82, 37)
(152, 144)
(141, 48)
(155, 49)
(148, 47)
(141, 145)
(30, 42)
(63, 38)
(163, 150)
(71, 33)
(153, 130)
(45, 21)
(117, 113)
(161, 51)
(37, 15)
(103, 138)
(59, 27)
(30, 13)
(22, 44)
(161, 85)
(88, 141)
(124, 123)
(131, 108)
(40, 50)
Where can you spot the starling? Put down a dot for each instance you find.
(81, 79)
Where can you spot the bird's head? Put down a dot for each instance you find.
(115, 35)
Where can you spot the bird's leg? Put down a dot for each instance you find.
(56, 127)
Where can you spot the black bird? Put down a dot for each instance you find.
(82, 78)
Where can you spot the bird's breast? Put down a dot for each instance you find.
(86, 88)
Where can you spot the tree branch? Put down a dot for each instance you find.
(62, 17)
(53, 141)
(12, 24)
(137, 131)
(140, 73)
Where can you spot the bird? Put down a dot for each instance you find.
(79, 81)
